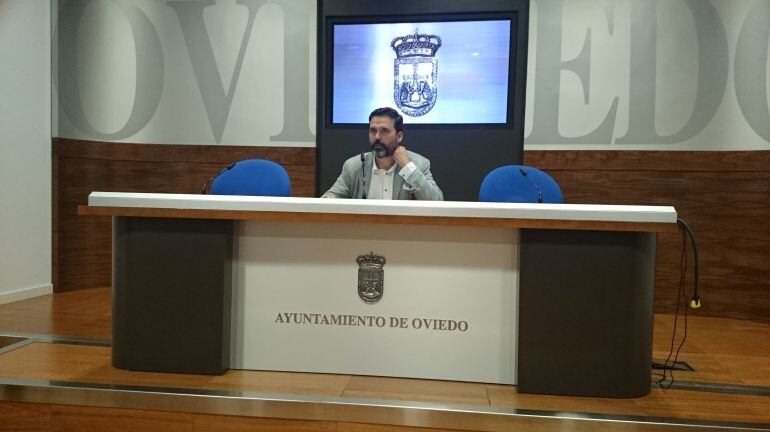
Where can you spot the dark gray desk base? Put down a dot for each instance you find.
(172, 286)
(585, 312)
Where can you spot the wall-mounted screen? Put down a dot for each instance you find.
(455, 70)
(433, 72)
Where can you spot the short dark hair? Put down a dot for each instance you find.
(389, 112)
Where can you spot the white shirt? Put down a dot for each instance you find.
(381, 186)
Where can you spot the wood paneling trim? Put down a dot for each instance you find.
(635, 160)
(81, 149)
(381, 219)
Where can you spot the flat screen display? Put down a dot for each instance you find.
(440, 72)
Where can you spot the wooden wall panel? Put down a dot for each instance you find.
(724, 196)
(82, 245)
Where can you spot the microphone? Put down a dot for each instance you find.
(227, 168)
(363, 176)
(537, 188)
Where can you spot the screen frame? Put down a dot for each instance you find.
(510, 16)
(460, 155)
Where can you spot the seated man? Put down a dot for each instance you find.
(389, 171)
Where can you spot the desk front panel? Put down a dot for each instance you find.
(447, 311)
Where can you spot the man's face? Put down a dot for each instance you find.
(383, 138)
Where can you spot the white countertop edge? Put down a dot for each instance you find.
(582, 212)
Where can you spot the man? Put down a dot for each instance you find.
(389, 171)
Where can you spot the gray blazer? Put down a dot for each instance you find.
(420, 184)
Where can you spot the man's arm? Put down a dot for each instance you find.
(417, 176)
(341, 188)
(422, 184)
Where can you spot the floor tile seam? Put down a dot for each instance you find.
(54, 338)
(16, 345)
(348, 379)
(686, 385)
(486, 392)
(379, 403)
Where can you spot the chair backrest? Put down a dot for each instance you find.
(257, 177)
(519, 183)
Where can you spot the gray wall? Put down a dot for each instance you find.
(604, 74)
(25, 149)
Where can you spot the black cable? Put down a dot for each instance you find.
(681, 291)
(695, 301)
(682, 273)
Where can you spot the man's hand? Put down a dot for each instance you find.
(401, 156)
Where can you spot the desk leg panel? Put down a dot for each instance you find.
(171, 294)
(585, 312)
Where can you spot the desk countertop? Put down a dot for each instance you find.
(516, 215)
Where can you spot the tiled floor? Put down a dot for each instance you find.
(722, 352)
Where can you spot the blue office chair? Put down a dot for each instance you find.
(257, 177)
(520, 184)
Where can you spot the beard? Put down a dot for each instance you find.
(380, 150)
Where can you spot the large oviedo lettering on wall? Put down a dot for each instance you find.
(216, 100)
(711, 73)
(149, 69)
(751, 69)
(633, 74)
(296, 65)
(641, 100)
(151, 75)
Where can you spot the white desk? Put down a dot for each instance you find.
(285, 288)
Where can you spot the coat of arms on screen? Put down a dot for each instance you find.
(370, 277)
(415, 72)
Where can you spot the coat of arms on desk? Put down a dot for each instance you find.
(370, 277)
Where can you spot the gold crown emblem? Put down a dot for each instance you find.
(422, 45)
